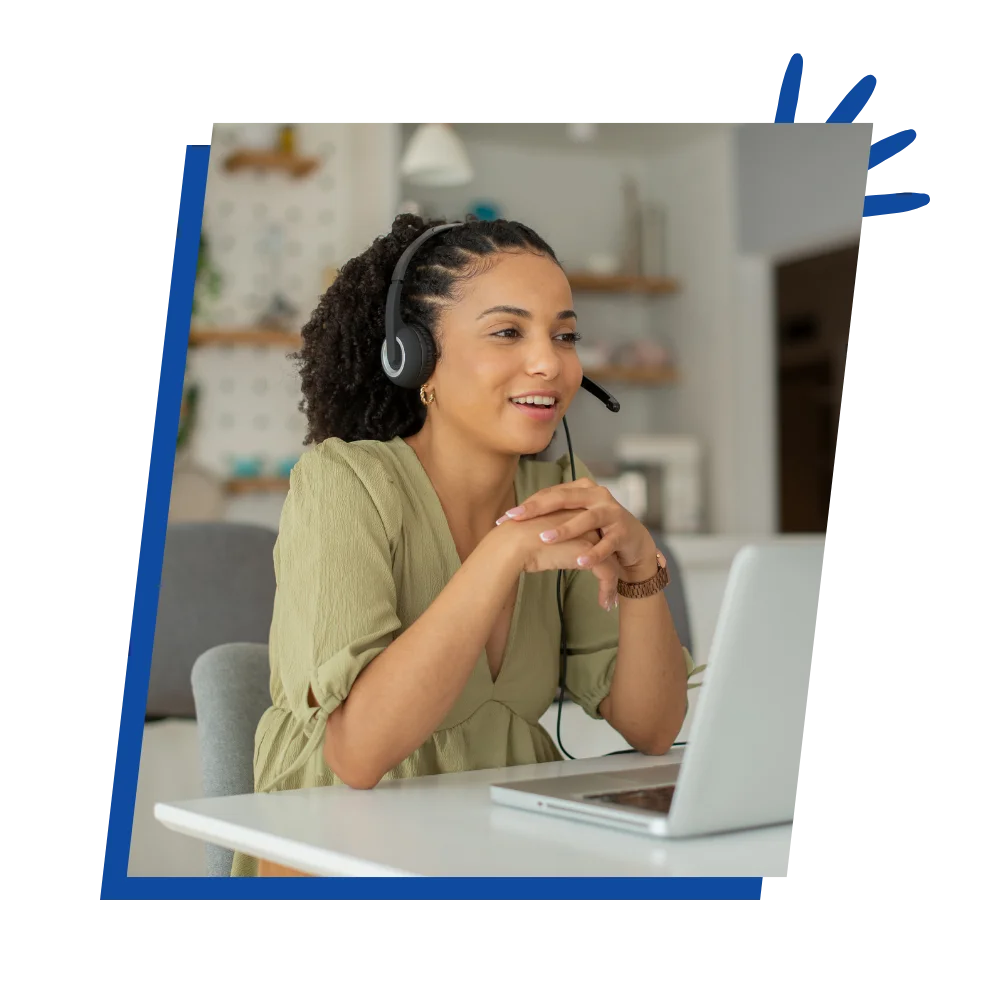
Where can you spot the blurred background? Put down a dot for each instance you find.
(713, 272)
(712, 269)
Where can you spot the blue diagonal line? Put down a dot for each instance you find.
(850, 107)
(889, 146)
(788, 97)
(892, 204)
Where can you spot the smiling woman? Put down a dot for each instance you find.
(415, 626)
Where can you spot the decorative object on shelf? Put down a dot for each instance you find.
(678, 458)
(189, 413)
(485, 211)
(653, 228)
(435, 157)
(642, 354)
(594, 355)
(631, 258)
(280, 313)
(409, 207)
(602, 263)
(207, 281)
(246, 466)
(283, 469)
(330, 276)
(287, 140)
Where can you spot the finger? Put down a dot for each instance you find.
(607, 585)
(853, 104)
(788, 96)
(890, 204)
(606, 547)
(593, 519)
(889, 146)
(554, 498)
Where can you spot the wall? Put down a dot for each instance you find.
(800, 188)
(695, 183)
(249, 397)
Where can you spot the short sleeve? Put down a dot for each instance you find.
(335, 599)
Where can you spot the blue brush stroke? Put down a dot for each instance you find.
(787, 108)
(894, 203)
(889, 146)
(852, 105)
(154, 525)
(435, 888)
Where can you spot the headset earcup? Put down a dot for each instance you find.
(418, 358)
(425, 353)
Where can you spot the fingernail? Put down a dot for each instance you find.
(547, 536)
(583, 561)
(514, 511)
(500, 520)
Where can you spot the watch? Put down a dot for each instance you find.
(646, 588)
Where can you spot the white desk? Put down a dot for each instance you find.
(446, 825)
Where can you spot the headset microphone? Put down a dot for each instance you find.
(601, 393)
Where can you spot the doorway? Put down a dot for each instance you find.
(813, 298)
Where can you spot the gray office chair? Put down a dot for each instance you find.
(231, 686)
(676, 596)
(217, 586)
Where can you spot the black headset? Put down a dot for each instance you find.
(408, 351)
(408, 361)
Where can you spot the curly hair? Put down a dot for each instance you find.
(345, 392)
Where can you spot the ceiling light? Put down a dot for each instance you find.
(436, 157)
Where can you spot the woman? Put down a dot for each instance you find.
(416, 628)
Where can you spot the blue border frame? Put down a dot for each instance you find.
(435, 888)
(154, 524)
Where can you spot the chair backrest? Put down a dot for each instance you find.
(217, 586)
(677, 597)
(231, 686)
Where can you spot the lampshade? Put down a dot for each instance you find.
(435, 157)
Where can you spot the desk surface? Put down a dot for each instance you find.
(446, 825)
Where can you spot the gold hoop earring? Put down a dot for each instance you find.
(426, 397)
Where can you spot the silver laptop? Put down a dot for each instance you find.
(740, 767)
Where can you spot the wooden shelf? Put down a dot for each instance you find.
(266, 159)
(292, 341)
(633, 376)
(256, 484)
(245, 338)
(581, 281)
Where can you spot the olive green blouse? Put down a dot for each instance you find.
(363, 549)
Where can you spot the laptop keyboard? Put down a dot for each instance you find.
(655, 799)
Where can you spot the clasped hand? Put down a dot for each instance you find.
(580, 525)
